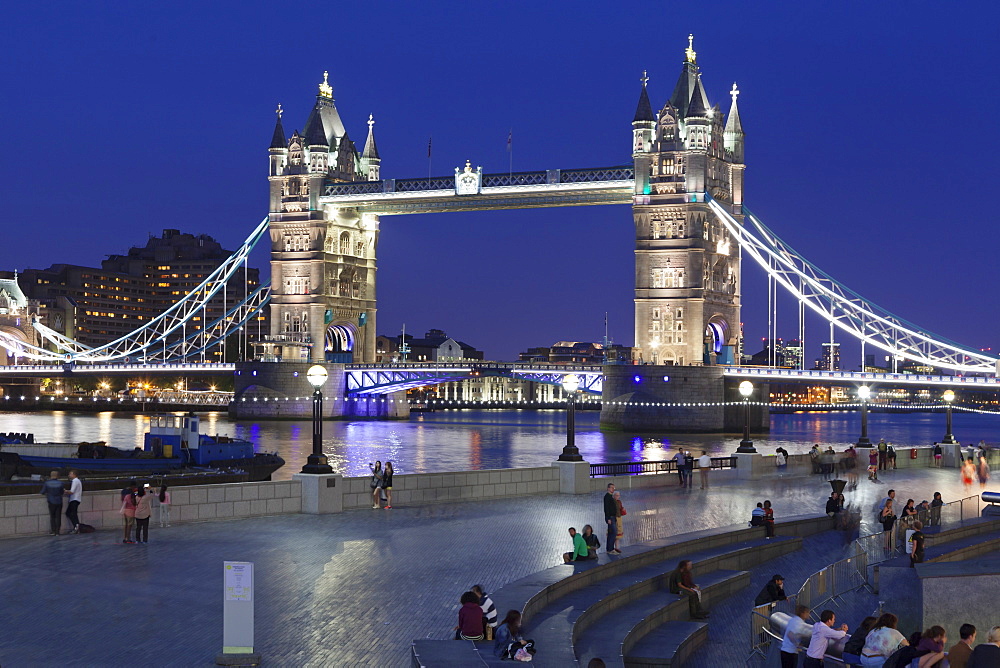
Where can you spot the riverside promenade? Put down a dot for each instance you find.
(347, 589)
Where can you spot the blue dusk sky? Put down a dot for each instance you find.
(869, 144)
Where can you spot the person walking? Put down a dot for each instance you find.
(143, 511)
(127, 511)
(968, 473)
(983, 470)
(704, 464)
(376, 483)
(387, 486)
(822, 633)
(75, 494)
(53, 490)
(797, 632)
(620, 534)
(611, 519)
(679, 462)
(164, 496)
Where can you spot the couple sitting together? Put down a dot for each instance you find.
(584, 545)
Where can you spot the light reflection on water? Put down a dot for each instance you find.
(459, 440)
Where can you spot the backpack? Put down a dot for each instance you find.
(85, 528)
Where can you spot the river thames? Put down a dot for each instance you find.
(459, 440)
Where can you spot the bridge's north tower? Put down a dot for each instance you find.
(687, 267)
(322, 257)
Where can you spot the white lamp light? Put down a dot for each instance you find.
(570, 383)
(746, 388)
(317, 376)
(864, 392)
(948, 396)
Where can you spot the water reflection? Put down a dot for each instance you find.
(467, 440)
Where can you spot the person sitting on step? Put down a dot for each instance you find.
(682, 582)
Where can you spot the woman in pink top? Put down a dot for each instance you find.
(164, 507)
(128, 512)
(143, 509)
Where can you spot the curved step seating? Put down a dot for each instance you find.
(670, 644)
(641, 573)
(973, 539)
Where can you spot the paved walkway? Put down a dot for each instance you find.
(347, 590)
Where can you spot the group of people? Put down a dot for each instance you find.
(381, 484)
(138, 501)
(877, 641)
(614, 511)
(685, 463)
(975, 467)
(54, 491)
(477, 620)
(763, 516)
(911, 519)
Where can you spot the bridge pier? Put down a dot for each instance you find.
(677, 399)
(279, 390)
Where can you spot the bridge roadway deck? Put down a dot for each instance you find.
(351, 589)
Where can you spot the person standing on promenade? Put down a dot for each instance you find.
(688, 468)
(958, 655)
(376, 483)
(915, 543)
(797, 631)
(883, 454)
(704, 464)
(620, 534)
(936, 504)
(610, 519)
(143, 510)
(128, 511)
(75, 494)
(890, 457)
(890, 496)
(873, 464)
(937, 454)
(887, 519)
(164, 506)
(387, 486)
(822, 633)
(679, 460)
(53, 490)
(772, 592)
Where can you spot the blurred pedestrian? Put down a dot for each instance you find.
(164, 496)
(968, 473)
(983, 470)
(797, 632)
(873, 465)
(768, 520)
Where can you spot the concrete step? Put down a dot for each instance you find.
(670, 644)
(435, 653)
(606, 642)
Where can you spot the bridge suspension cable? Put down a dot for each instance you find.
(165, 336)
(845, 309)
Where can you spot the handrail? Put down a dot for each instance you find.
(659, 466)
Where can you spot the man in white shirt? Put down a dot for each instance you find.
(796, 633)
(75, 494)
(704, 463)
(822, 633)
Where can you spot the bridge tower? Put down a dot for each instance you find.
(687, 268)
(322, 258)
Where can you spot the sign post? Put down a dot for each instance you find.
(237, 615)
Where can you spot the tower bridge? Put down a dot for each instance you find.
(692, 230)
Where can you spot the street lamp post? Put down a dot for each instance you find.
(949, 438)
(570, 453)
(746, 445)
(863, 393)
(316, 462)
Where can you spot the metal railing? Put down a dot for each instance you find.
(760, 624)
(638, 468)
(880, 547)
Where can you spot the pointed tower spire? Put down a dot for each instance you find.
(314, 133)
(278, 138)
(688, 84)
(733, 135)
(370, 161)
(644, 110)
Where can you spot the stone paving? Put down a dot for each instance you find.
(351, 589)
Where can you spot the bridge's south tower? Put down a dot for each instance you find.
(687, 267)
(322, 259)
